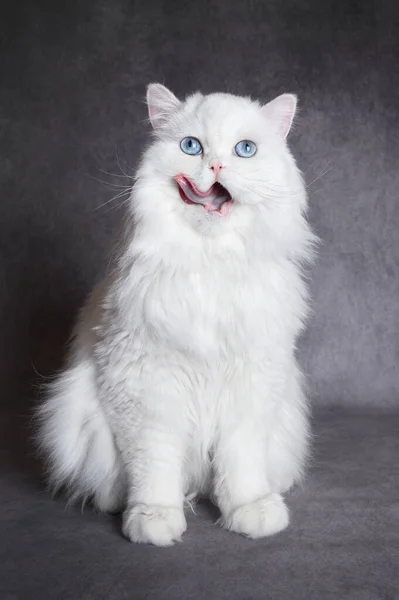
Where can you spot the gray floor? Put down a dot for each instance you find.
(343, 542)
(73, 76)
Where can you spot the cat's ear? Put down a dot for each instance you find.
(161, 104)
(280, 112)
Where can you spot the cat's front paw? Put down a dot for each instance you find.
(266, 516)
(152, 524)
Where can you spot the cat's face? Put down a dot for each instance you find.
(219, 159)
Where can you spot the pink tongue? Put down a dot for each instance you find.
(211, 203)
(215, 203)
(187, 189)
(224, 208)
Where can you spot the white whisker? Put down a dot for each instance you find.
(120, 195)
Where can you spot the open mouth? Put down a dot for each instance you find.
(215, 200)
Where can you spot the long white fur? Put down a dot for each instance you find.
(181, 379)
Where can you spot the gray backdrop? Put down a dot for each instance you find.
(73, 79)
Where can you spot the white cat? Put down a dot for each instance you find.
(181, 379)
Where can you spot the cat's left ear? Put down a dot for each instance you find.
(281, 112)
(161, 104)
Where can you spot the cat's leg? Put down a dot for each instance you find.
(261, 453)
(153, 445)
(288, 441)
(154, 513)
(242, 490)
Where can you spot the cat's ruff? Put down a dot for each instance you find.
(181, 379)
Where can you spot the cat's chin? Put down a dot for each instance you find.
(216, 201)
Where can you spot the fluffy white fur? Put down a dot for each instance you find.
(181, 379)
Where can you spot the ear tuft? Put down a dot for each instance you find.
(281, 112)
(161, 104)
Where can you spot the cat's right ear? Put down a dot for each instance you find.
(161, 104)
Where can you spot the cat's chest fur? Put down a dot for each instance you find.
(216, 308)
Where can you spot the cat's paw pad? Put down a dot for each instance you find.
(266, 516)
(151, 524)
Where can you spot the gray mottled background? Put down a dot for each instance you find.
(73, 78)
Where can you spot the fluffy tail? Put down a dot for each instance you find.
(78, 443)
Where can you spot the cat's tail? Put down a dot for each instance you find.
(77, 441)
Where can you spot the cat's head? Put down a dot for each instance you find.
(219, 161)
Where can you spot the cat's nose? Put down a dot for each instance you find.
(216, 166)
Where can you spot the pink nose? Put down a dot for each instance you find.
(216, 168)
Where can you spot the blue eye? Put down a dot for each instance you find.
(190, 145)
(245, 149)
